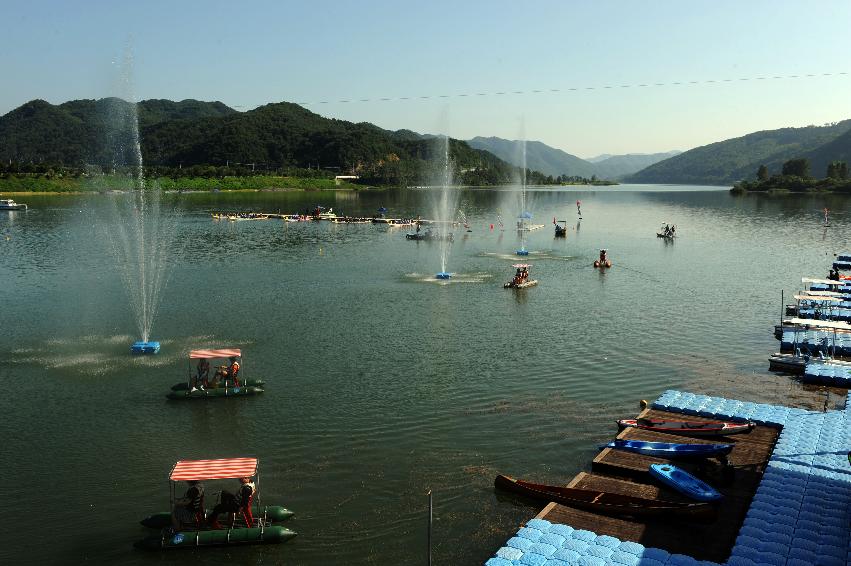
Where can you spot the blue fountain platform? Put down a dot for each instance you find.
(522, 252)
(142, 347)
(443, 275)
(799, 515)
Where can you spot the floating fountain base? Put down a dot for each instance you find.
(142, 347)
(522, 252)
(443, 275)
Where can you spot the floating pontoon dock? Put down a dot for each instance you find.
(799, 513)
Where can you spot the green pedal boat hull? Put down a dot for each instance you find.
(248, 383)
(224, 537)
(269, 513)
(215, 393)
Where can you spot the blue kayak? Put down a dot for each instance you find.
(684, 482)
(671, 450)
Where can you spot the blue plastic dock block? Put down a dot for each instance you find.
(142, 347)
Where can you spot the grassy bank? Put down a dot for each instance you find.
(44, 184)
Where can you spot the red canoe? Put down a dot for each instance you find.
(689, 428)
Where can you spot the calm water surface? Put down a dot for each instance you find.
(381, 383)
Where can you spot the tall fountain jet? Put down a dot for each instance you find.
(139, 234)
(447, 203)
(524, 217)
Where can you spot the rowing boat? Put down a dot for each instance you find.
(689, 428)
(602, 501)
(671, 450)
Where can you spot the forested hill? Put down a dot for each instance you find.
(193, 133)
(735, 159)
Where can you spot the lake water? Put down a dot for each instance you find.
(382, 384)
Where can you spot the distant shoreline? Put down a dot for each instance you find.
(790, 184)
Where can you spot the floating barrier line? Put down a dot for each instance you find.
(574, 89)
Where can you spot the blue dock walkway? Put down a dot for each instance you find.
(799, 514)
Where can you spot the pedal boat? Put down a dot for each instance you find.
(262, 529)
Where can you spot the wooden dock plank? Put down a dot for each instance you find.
(626, 472)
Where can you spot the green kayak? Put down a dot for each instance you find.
(217, 392)
(223, 537)
(248, 383)
(269, 513)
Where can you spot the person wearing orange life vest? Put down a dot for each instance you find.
(232, 371)
(228, 373)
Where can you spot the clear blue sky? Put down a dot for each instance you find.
(254, 52)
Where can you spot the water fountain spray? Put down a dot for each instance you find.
(524, 217)
(446, 200)
(140, 236)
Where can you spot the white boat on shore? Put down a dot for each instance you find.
(9, 204)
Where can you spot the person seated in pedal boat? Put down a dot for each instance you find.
(189, 510)
(833, 275)
(524, 275)
(228, 373)
(518, 277)
(604, 257)
(233, 504)
(202, 375)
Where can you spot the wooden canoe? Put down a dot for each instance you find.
(689, 428)
(603, 502)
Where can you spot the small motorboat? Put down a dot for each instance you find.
(604, 260)
(672, 450)
(521, 277)
(9, 204)
(689, 428)
(684, 482)
(253, 524)
(602, 501)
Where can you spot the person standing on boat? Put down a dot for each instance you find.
(189, 507)
(235, 503)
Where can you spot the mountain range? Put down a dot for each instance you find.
(555, 162)
(196, 133)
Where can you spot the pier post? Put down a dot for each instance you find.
(430, 515)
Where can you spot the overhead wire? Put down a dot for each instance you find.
(571, 89)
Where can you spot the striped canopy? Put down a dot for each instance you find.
(227, 468)
(222, 353)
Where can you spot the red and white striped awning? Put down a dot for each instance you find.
(226, 468)
(221, 353)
